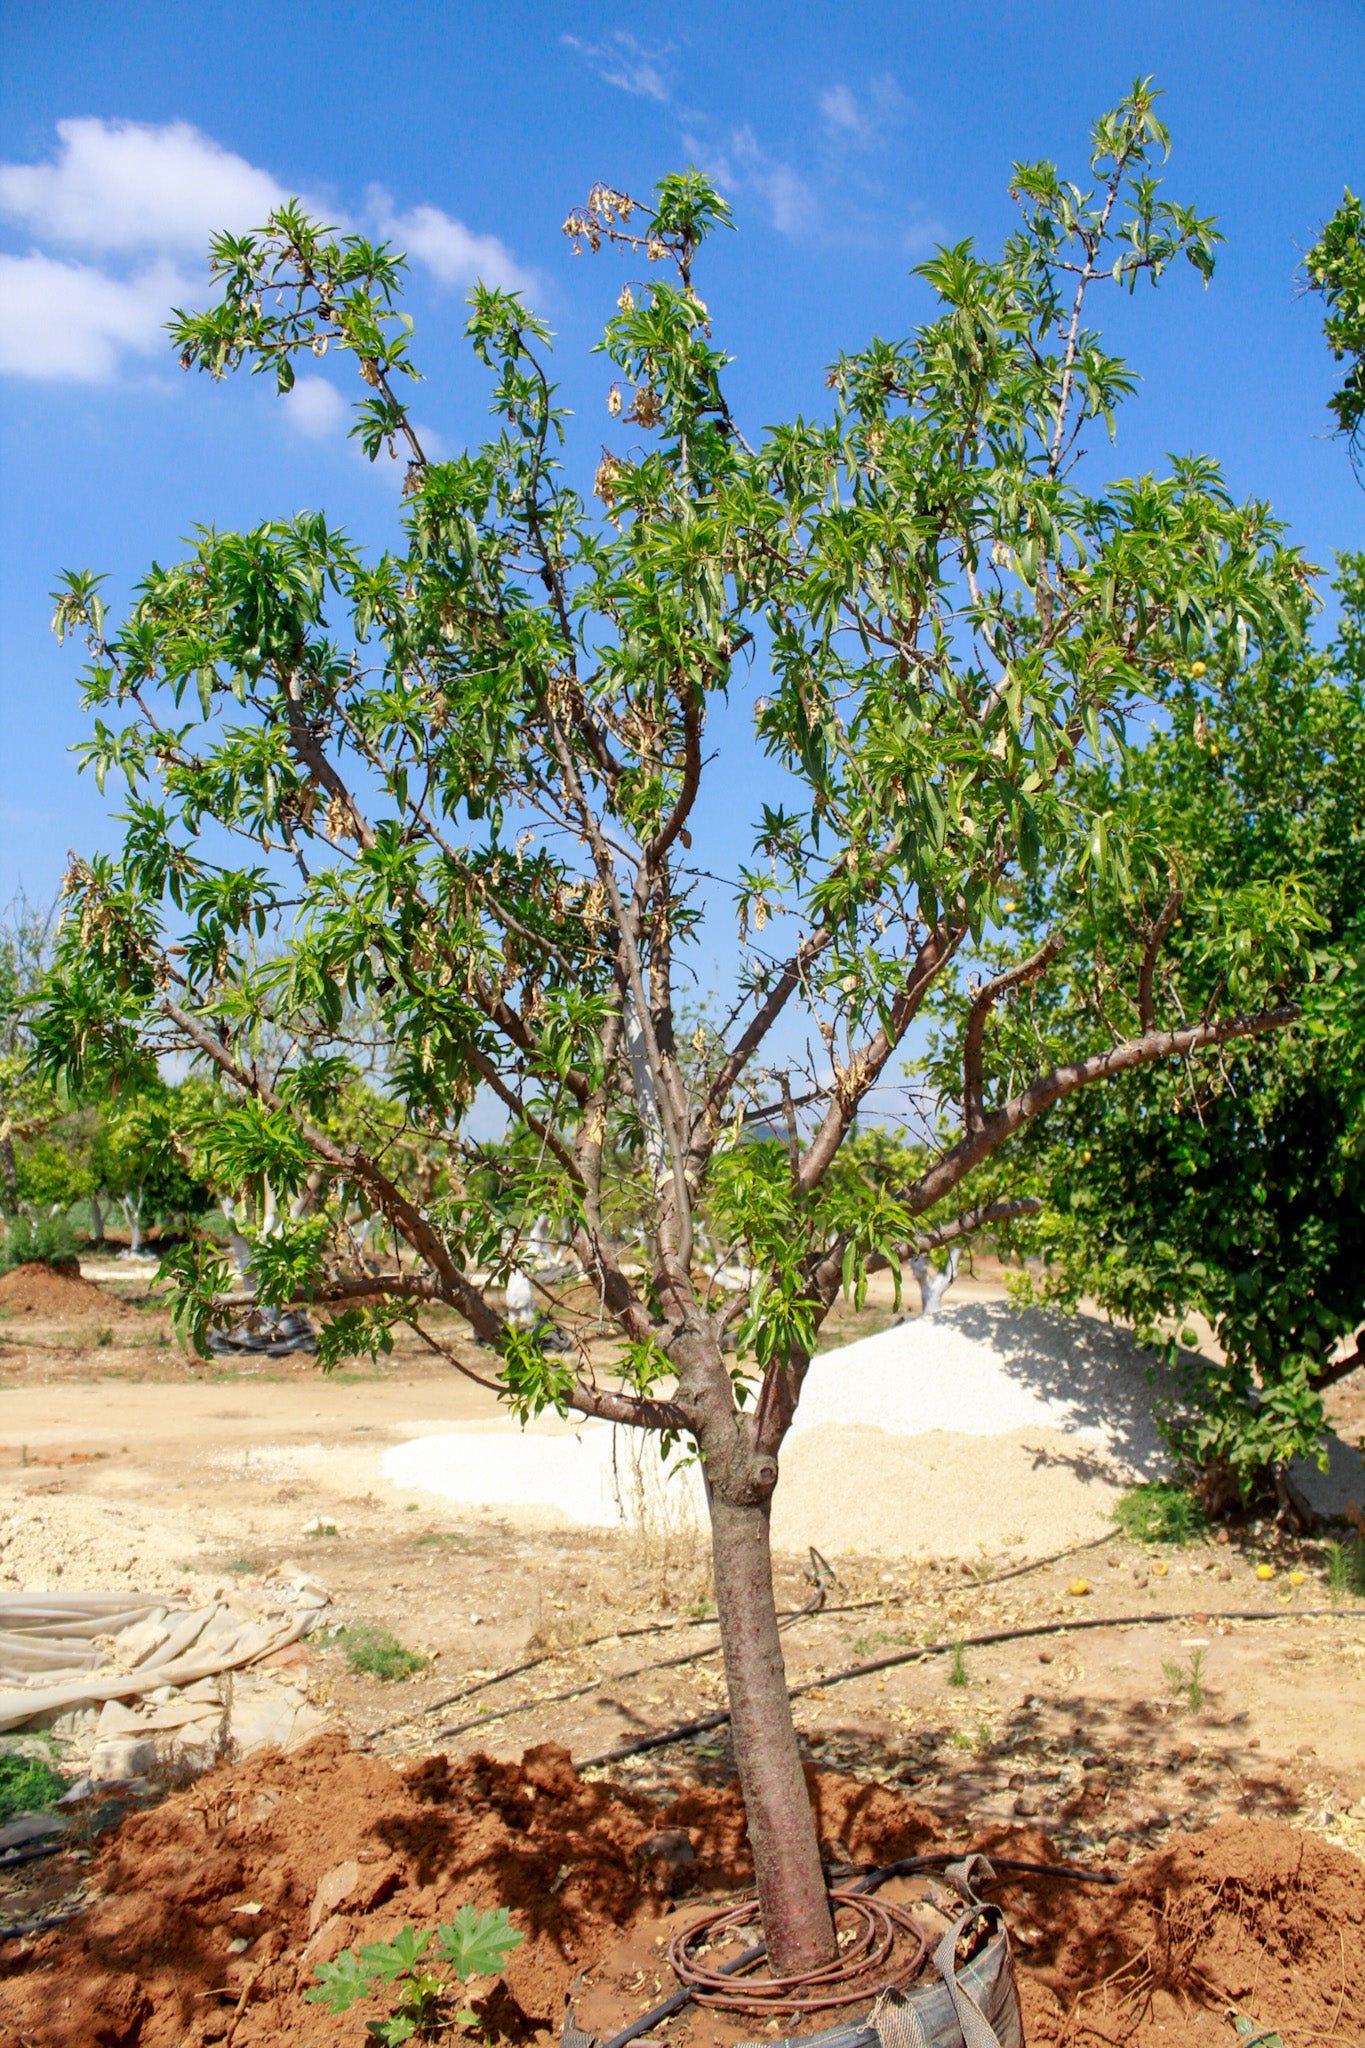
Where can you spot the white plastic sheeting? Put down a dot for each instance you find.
(68, 1650)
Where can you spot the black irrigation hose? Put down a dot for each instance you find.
(12, 1857)
(811, 1608)
(907, 1866)
(21, 1928)
(1205, 1617)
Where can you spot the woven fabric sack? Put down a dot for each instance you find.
(976, 2006)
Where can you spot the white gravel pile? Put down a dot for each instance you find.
(979, 1428)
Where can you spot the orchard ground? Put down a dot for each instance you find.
(124, 1465)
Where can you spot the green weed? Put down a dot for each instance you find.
(957, 1670)
(27, 1785)
(1346, 1569)
(1159, 1511)
(437, 1539)
(880, 1638)
(1187, 1684)
(374, 1652)
(471, 1945)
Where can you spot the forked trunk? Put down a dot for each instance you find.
(787, 1868)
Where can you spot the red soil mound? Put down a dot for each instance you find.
(334, 1847)
(44, 1290)
(1252, 1916)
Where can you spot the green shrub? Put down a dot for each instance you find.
(373, 1652)
(49, 1238)
(1159, 1511)
(27, 1785)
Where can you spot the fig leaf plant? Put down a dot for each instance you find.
(487, 833)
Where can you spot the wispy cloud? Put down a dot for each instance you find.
(742, 164)
(631, 66)
(861, 120)
(315, 408)
(453, 253)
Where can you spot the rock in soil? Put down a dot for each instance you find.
(210, 1911)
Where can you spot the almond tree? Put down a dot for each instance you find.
(466, 773)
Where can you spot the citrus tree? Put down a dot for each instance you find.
(1335, 270)
(1236, 1189)
(464, 774)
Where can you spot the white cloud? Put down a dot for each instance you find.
(153, 196)
(124, 185)
(623, 62)
(315, 407)
(69, 320)
(862, 121)
(746, 166)
(453, 253)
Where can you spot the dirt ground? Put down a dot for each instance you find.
(124, 1465)
(205, 1918)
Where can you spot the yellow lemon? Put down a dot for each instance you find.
(1265, 1571)
(1079, 1586)
(1199, 668)
(1160, 1568)
(1297, 1578)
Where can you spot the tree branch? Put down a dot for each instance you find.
(456, 1290)
(973, 1043)
(944, 1176)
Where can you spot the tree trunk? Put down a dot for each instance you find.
(96, 1221)
(791, 1882)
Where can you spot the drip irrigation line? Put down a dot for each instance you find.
(812, 1609)
(1205, 1617)
(12, 1857)
(21, 1928)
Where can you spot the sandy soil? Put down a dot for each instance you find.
(122, 1465)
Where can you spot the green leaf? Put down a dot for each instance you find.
(387, 1960)
(477, 1944)
(342, 1983)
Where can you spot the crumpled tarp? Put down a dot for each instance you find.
(69, 1650)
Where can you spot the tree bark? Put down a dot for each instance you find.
(791, 1881)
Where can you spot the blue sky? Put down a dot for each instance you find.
(850, 140)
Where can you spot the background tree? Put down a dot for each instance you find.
(26, 1104)
(1237, 1189)
(1335, 268)
(142, 1158)
(466, 774)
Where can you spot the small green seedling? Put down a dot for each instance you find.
(957, 1670)
(1249, 2036)
(1346, 1569)
(1187, 1684)
(471, 1945)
